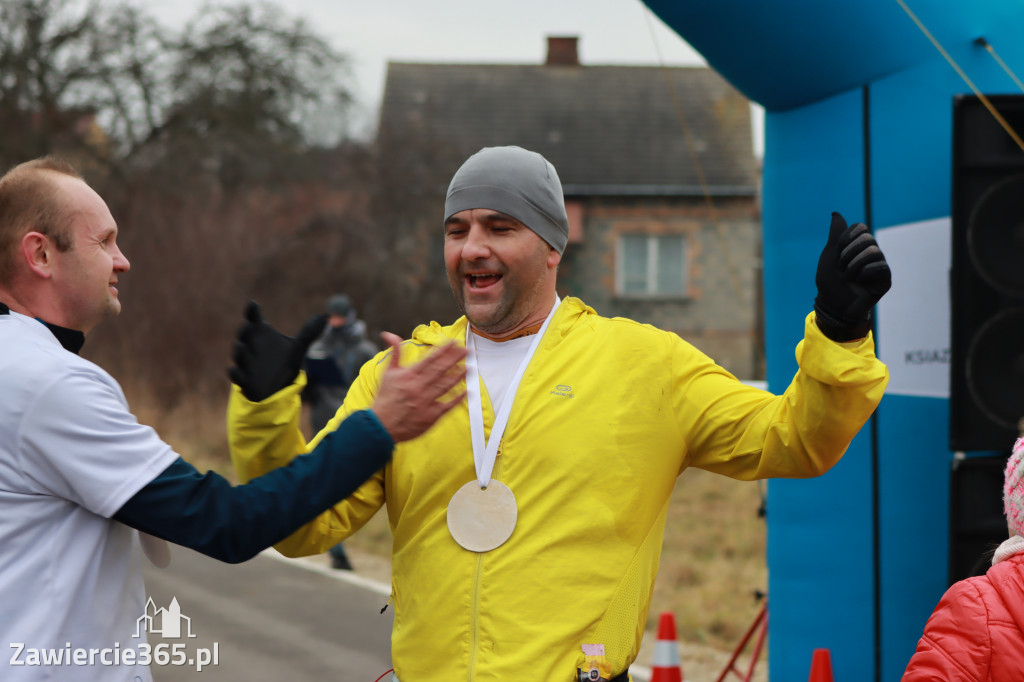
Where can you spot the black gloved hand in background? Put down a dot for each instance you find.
(852, 276)
(266, 360)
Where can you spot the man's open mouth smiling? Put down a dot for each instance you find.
(482, 280)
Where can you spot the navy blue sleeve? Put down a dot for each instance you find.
(234, 523)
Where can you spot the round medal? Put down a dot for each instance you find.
(481, 519)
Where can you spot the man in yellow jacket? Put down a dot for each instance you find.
(528, 523)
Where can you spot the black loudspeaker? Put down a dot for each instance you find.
(977, 524)
(987, 278)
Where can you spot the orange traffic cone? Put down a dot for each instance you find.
(821, 666)
(665, 666)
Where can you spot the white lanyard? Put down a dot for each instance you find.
(486, 450)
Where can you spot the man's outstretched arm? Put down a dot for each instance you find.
(233, 523)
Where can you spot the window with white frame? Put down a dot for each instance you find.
(651, 265)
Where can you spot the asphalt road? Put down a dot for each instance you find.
(268, 620)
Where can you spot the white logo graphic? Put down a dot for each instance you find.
(164, 622)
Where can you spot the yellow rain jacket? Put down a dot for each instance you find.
(608, 414)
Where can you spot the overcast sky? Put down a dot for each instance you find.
(373, 32)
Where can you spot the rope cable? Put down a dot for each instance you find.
(992, 51)
(733, 276)
(984, 100)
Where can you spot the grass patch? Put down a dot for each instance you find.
(712, 560)
(195, 428)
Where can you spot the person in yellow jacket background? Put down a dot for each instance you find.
(528, 522)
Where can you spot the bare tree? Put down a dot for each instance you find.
(240, 83)
(248, 86)
(374, 232)
(46, 53)
(197, 139)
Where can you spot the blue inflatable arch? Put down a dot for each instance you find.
(858, 119)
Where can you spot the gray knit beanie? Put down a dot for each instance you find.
(339, 304)
(516, 182)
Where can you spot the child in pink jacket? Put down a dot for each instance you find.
(977, 631)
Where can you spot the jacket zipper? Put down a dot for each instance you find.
(475, 619)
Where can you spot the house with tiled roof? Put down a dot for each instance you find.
(660, 177)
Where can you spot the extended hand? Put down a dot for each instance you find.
(852, 276)
(265, 359)
(408, 401)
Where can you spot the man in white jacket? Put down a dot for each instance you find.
(78, 472)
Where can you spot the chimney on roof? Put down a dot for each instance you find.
(562, 51)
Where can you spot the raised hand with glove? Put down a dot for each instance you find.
(266, 360)
(852, 276)
(409, 399)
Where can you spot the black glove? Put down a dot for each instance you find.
(265, 359)
(852, 276)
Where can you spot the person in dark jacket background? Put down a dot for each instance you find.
(332, 364)
(334, 359)
(976, 632)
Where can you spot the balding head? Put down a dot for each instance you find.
(30, 201)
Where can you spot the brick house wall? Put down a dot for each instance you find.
(718, 312)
